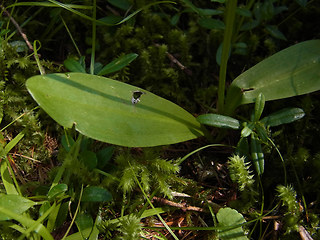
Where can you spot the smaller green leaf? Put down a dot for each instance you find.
(57, 190)
(15, 203)
(89, 159)
(257, 154)
(44, 207)
(104, 156)
(257, 11)
(67, 142)
(286, 115)
(220, 121)
(243, 147)
(262, 132)
(7, 180)
(211, 23)
(191, 6)
(79, 235)
(247, 130)
(240, 45)
(219, 53)
(62, 214)
(84, 221)
(275, 32)
(82, 61)
(209, 12)
(95, 194)
(259, 106)
(118, 64)
(244, 12)
(13, 142)
(73, 66)
(249, 25)
(228, 223)
(86, 143)
(52, 217)
(280, 9)
(122, 4)
(97, 67)
(302, 3)
(267, 10)
(175, 19)
(218, 1)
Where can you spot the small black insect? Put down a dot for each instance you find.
(136, 96)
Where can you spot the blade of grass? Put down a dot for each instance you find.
(70, 7)
(53, 217)
(48, 4)
(282, 160)
(75, 214)
(13, 142)
(70, 35)
(231, 6)
(139, 10)
(93, 44)
(179, 161)
(18, 118)
(106, 174)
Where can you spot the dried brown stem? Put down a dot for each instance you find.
(177, 62)
(183, 206)
(24, 36)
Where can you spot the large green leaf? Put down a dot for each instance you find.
(101, 108)
(290, 72)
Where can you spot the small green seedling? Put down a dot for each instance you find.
(256, 129)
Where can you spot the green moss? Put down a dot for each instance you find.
(15, 101)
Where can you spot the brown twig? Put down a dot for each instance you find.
(24, 36)
(183, 206)
(304, 234)
(177, 62)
